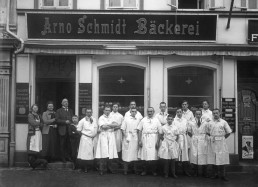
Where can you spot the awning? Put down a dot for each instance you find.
(138, 48)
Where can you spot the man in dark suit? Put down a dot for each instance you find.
(63, 120)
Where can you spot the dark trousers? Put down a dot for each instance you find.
(105, 164)
(152, 164)
(64, 147)
(219, 170)
(169, 163)
(85, 164)
(204, 169)
(126, 165)
(74, 148)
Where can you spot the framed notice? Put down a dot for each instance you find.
(228, 112)
(85, 98)
(22, 102)
(247, 147)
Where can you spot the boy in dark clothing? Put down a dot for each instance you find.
(74, 136)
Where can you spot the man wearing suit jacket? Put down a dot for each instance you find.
(63, 120)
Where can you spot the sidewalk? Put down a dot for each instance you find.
(25, 177)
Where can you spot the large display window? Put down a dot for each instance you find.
(121, 84)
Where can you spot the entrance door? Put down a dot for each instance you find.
(55, 80)
(193, 84)
(121, 84)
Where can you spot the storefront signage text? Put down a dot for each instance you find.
(122, 26)
(85, 98)
(253, 31)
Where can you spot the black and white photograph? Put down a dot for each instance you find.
(128, 93)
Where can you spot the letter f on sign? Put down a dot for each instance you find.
(254, 36)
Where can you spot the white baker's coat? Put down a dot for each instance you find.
(118, 118)
(199, 142)
(138, 115)
(206, 114)
(130, 140)
(106, 147)
(150, 128)
(162, 117)
(86, 147)
(169, 147)
(217, 148)
(181, 124)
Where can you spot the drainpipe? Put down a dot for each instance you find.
(13, 88)
(230, 13)
(18, 50)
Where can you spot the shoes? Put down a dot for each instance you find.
(125, 172)
(215, 177)
(101, 173)
(143, 173)
(63, 160)
(195, 174)
(224, 179)
(166, 176)
(85, 171)
(187, 174)
(174, 176)
(154, 174)
(205, 175)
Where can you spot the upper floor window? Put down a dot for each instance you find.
(246, 4)
(62, 4)
(197, 4)
(122, 4)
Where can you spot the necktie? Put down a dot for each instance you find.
(199, 123)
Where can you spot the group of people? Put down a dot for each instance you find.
(187, 139)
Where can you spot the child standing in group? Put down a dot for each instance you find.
(169, 146)
(74, 136)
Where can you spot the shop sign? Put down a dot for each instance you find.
(247, 147)
(228, 112)
(122, 26)
(253, 31)
(85, 98)
(22, 102)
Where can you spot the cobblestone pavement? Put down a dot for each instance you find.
(25, 177)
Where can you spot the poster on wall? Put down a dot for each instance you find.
(22, 102)
(85, 98)
(247, 147)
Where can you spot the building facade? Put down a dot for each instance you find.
(100, 52)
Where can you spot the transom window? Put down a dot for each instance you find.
(122, 4)
(62, 4)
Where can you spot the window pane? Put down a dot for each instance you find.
(187, 4)
(121, 84)
(253, 4)
(48, 2)
(63, 2)
(194, 84)
(129, 3)
(115, 3)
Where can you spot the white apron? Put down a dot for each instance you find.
(36, 141)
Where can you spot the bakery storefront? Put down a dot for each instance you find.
(95, 58)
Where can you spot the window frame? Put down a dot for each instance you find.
(56, 6)
(107, 7)
(175, 5)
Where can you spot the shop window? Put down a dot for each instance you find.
(49, 4)
(193, 84)
(121, 84)
(122, 4)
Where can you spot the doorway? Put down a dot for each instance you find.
(55, 80)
